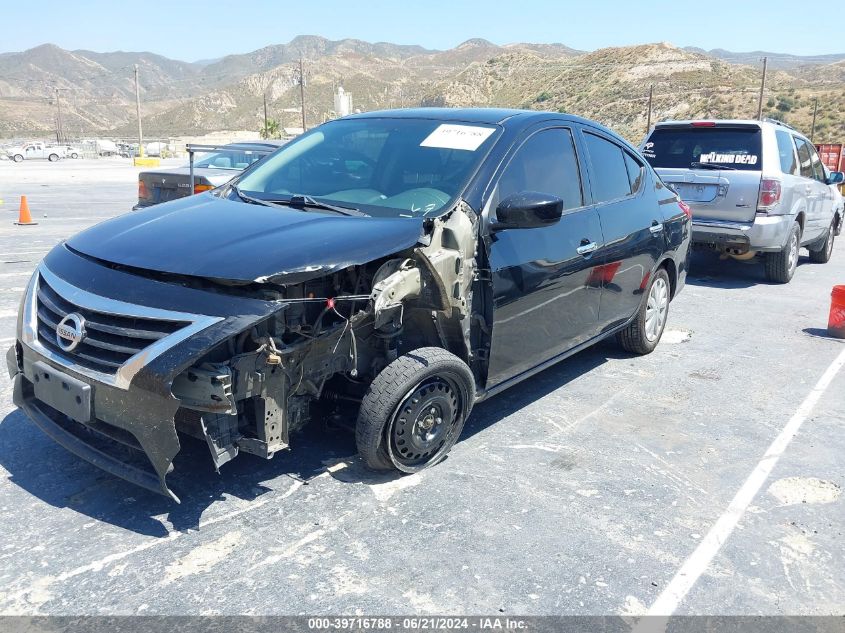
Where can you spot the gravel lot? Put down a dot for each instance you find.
(583, 491)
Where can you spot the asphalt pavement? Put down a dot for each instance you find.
(585, 490)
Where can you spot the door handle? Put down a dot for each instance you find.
(587, 247)
(655, 227)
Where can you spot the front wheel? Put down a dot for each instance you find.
(780, 266)
(74, 155)
(822, 255)
(18, 158)
(53, 158)
(643, 334)
(414, 410)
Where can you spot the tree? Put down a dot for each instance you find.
(271, 129)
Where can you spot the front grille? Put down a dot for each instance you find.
(110, 339)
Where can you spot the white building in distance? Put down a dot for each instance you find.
(342, 102)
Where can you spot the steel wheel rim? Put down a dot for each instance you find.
(793, 252)
(657, 305)
(425, 423)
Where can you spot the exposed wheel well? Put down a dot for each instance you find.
(800, 219)
(672, 271)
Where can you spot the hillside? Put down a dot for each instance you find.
(610, 85)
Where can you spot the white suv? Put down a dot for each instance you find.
(753, 186)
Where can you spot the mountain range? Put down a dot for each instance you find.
(95, 91)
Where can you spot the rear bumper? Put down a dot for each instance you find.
(765, 233)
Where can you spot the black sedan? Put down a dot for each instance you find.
(390, 269)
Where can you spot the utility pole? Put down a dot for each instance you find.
(302, 92)
(815, 111)
(762, 88)
(265, 115)
(650, 99)
(138, 113)
(59, 123)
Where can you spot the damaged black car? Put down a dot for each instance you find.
(390, 269)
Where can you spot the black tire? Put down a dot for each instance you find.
(74, 155)
(639, 337)
(18, 158)
(429, 382)
(780, 266)
(53, 158)
(822, 255)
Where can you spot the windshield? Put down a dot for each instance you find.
(384, 167)
(229, 160)
(729, 147)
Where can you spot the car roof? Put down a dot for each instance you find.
(508, 118)
(739, 122)
(505, 117)
(262, 143)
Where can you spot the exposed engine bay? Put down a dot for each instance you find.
(318, 353)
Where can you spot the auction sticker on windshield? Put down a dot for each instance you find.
(448, 136)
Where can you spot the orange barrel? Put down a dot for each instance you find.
(836, 322)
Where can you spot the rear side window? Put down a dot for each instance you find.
(610, 174)
(805, 160)
(545, 163)
(635, 172)
(692, 147)
(818, 168)
(786, 150)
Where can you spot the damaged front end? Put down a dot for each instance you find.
(239, 366)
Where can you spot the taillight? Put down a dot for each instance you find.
(769, 193)
(685, 208)
(142, 190)
(200, 188)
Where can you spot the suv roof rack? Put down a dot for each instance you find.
(776, 122)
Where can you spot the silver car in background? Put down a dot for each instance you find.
(755, 187)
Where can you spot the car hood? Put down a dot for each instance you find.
(207, 236)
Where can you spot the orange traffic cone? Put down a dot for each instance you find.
(24, 218)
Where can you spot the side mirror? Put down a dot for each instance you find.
(835, 178)
(528, 210)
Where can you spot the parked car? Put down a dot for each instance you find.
(755, 187)
(211, 170)
(392, 268)
(35, 151)
(72, 152)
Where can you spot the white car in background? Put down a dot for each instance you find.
(72, 152)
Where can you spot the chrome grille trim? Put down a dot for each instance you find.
(116, 372)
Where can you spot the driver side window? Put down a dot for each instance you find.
(545, 163)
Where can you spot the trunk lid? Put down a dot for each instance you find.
(170, 184)
(716, 168)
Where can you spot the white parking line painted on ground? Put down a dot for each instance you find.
(22, 273)
(692, 569)
(8, 313)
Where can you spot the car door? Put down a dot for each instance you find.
(632, 225)
(544, 302)
(825, 196)
(812, 188)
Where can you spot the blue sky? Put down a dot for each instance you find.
(191, 30)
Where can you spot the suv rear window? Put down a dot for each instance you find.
(685, 148)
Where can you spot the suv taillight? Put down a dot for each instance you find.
(769, 193)
(686, 209)
(200, 188)
(142, 190)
